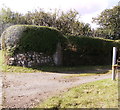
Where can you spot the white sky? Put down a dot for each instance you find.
(86, 8)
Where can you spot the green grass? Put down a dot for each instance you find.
(17, 69)
(62, 69)
(98, 94)
(73, 69)
(88, 74)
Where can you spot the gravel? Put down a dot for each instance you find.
(26, 90)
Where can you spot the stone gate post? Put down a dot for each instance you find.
(57, 57)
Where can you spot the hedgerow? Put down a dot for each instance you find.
(24, 38)
(88, 51)
(77, 50)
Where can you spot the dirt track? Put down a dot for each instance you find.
(25, 90)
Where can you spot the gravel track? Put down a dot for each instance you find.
(26, 90)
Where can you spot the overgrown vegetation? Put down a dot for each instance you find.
(77, 50)
(27, 38)
(98, 94)
(83, 50)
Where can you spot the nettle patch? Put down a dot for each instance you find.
(30, 42)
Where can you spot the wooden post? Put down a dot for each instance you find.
(114, 63)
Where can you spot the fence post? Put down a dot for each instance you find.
(114, 62)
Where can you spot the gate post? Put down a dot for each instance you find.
(114, 62)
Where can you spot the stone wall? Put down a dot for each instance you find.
(30, 59)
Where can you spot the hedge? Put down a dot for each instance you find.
(77, 50)
(83, 50)
(24, 38)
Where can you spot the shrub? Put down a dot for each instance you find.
(88, 51)
(24, 38)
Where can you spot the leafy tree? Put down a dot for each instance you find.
(109, 20)
(39, 18)
(6, 15)
(67, 22)
(8, 18)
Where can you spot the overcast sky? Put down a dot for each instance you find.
(86, 8)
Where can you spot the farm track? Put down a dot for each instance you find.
(26, 90)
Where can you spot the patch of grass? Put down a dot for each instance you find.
(73, 69)
(18, 69)
(88, 74)
(98, 94)
(67, 70)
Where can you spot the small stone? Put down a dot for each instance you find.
(11, 59)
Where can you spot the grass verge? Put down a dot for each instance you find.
(88, 74)
(98, 94)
